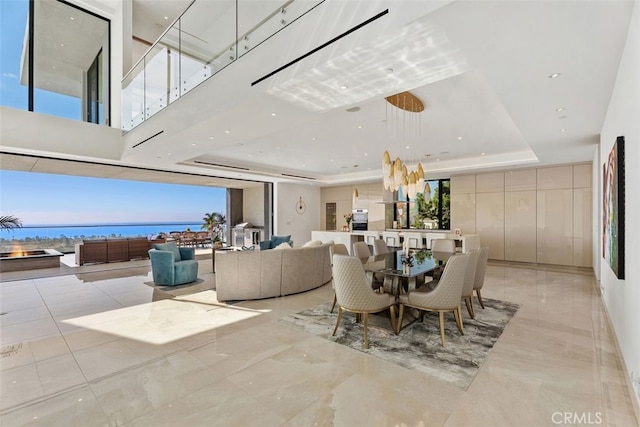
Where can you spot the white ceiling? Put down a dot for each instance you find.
(481, 68)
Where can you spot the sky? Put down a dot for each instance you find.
(46, 199)
(49, 199)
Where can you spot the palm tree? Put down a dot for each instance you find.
(9, 222)
(213, 222)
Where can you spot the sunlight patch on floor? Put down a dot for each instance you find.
(164, 321)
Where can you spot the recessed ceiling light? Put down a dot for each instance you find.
(54, 67)
(193, 145)
(166, 17)
(274, 114)
(560, 109)
(554, 75)
(407, 147)
(366, 154)
(459, 138)
(359, 126)
(61, 44)
(343, 87)
(563, 130)
(227, 131)
(313, 139)
(72, 18)
(331, 160)
(212, 137)
(482, 154)
(277, 148)
(437, 160)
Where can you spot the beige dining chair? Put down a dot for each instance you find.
(354, 294)
(445, 297)
(361, 250)
(380, 247)
(391, 238)
(480, 273)
(470, 280)
(339, 249)
(415, 240)
(443, 245)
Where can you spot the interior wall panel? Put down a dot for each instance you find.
(490, 222)
(520, 226)
(555, 226)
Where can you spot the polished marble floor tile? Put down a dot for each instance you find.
(102, 345)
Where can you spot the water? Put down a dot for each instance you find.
(101, 230)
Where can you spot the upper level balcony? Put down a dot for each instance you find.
(205, 39)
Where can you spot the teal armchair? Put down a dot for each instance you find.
(171, 265)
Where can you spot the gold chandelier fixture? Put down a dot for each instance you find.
(395, 174)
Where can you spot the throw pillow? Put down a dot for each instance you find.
(171, 247)
(277, 240)
(265, 244)
(283, 245)
(312, 243)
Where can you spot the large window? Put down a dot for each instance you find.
(55, 60)
(430, 209)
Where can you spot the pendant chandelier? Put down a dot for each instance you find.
(405, 126)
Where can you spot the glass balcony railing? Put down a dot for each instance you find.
(206, 38)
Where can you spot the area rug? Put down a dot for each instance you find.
(418, 345)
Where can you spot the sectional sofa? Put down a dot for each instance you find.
(242, 275)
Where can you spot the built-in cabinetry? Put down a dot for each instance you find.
(535, 215)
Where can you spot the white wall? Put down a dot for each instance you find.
(287, 220)
(253, 205)
(622, 297)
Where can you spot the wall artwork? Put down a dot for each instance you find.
(613, 209)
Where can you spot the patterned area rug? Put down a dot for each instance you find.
(418, 345)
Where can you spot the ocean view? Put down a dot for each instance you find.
(99, 230)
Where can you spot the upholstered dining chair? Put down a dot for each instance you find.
(443, 245)
(470, 280)
(415, 239)
(361, 250)
(445, 297)
(339, 249)
(354, 294)
(480, 273)
(380, 247)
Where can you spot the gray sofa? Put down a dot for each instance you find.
(242, 275)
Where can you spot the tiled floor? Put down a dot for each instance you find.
(94, 348)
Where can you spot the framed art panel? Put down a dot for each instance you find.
(613, 209)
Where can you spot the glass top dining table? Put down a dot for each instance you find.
(424, 261)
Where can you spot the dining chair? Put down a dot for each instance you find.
(371, 236)
(470, 280)
(354, 294)
(414, 239)
(445, 297)
(361, 250)
(480, 273)
(443, 245)
(380, 247)
(339, 249)
(391, 238)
